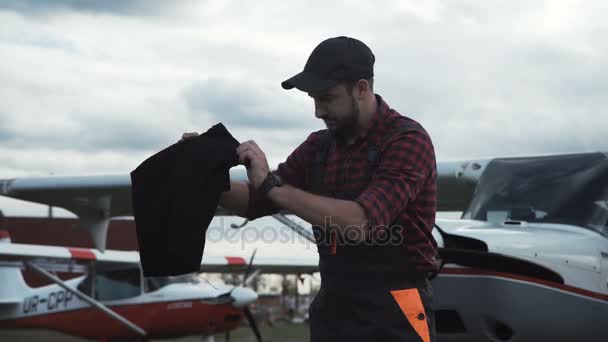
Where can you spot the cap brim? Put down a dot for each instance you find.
(307, 82)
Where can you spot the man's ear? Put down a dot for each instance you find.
(363, 88)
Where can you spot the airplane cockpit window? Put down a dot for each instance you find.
(566, 189)
(599, 216)
(112, 285)
(155, 283)
(517, 214)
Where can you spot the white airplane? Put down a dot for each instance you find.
(528, 261)
(534, 235)
(111, 300)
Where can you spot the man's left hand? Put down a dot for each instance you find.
(254, 159)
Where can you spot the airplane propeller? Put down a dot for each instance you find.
(242, 296)
(253, 324)
(248, 277)
(250, 273)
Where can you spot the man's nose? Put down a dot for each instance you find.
(320, 112)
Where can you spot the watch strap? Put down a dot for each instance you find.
(269, 182)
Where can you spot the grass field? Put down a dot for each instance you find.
(280, 332)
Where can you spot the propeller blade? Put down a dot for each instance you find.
(249, 267)
(252, 256)
(250, 277)
(253, 324)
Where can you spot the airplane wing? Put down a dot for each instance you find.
(110, 195)
(94, 199)
(105, 195)
(70, 259)
(66, 259)
(77, 260)
(266, 264)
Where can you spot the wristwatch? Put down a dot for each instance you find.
(272, 179)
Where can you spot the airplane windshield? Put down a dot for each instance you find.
(566, 189)
(155, 283)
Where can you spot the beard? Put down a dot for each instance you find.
(346, 126)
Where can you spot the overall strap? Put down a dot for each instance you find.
(373, 157)
(320, 162)
(373, 152)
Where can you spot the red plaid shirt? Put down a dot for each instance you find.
(403, 189)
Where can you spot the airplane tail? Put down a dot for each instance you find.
(13, 285)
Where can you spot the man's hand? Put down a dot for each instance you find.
(255, 161)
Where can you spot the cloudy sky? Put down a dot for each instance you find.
(95, 87)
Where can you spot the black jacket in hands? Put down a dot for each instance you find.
(175, 195)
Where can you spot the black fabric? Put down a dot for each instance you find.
(175, 195)
(371, 315)
(333, 60)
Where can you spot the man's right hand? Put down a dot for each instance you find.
(188, 135)
(237, 199)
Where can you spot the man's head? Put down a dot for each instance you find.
(339, 77)
(341, 105)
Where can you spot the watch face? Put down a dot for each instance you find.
(272, 180)
(277, 179)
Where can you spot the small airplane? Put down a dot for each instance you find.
(527, 261)
(111, 300)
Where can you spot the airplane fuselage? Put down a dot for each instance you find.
(483, 305)
(172, 311)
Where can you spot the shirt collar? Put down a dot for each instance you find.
(378, 115)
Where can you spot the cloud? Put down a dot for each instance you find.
(501, 80)
(5, 133)
(241, 105)
(97, 86)
(120, 7)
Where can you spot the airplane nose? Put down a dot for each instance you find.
(243, 296)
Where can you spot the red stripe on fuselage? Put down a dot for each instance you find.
(563, 287)
(159, 320)
(82, 253)
(236, 261)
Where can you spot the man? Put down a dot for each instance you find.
(367, 184)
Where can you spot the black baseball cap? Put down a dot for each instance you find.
(332, 61)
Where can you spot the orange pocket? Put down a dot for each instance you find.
(411, 305)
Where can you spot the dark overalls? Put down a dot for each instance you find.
(370, 291)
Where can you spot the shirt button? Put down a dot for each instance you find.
(421, 316)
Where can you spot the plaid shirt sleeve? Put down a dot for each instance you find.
(292, 171)
(406, 164)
